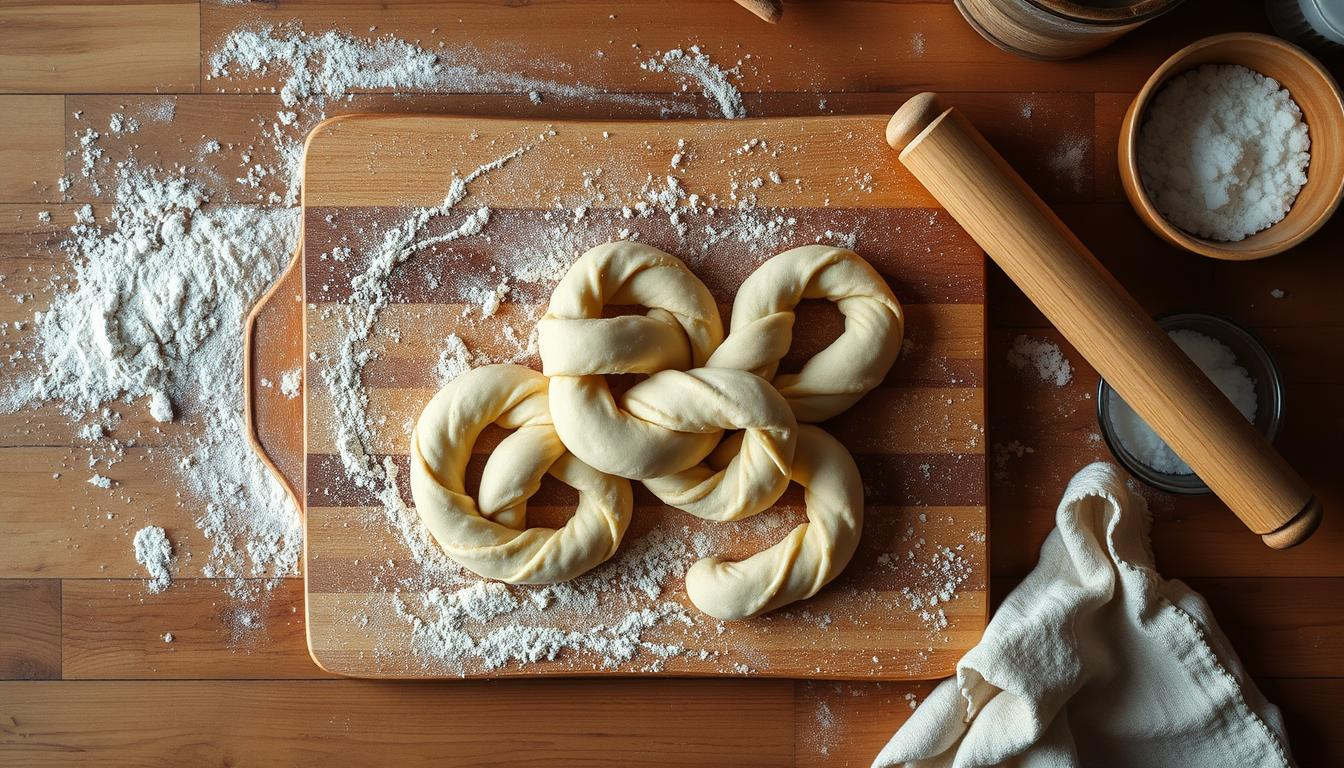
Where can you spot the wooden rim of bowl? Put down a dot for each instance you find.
(1323, 109)
(1118, 13)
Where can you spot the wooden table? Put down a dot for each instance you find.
(86, 676)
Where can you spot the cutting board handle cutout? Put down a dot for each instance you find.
(273, 345)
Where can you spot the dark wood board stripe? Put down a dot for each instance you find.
(925, 257)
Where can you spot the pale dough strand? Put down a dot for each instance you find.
(515, 398)
(809, 557)
(712, 400)
(578, 346)
(852, 365)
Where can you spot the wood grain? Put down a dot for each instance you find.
(93, 47)
(30, 645)
(32, 158)
(63, 527)
(1286, 627)
(368, 723)
(1311, 711)
(114, 630)
(844, 724)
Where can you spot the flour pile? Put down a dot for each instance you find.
(154, 316)
(1223, 151)
(154, 552)
(1042, 356)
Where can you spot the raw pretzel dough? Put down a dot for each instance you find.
(762, 328)
(492, 539)
(664, 426)
(712, 400)
(668, 429)
(805, 560)
(578, 345)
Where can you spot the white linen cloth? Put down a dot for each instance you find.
(1095, 659)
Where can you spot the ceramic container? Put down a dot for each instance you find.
(1315, 92)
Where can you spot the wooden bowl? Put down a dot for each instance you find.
(1315, 92)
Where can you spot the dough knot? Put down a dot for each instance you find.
(668, 429)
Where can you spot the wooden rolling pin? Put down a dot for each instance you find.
(1099, 317)
(769, 10)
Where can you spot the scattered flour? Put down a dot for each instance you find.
(319, 68)
(480, 625)
(454, 360)
(291, 382)
(154, 552)
(1223, 151)
(714, 81)
(1218, 361)
(1042, 356)
(1069, 161)
(1004, 453)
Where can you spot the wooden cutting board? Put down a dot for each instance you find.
(913, 599)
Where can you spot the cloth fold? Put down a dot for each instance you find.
(1095, 659)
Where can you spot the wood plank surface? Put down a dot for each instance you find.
(30, 646)
(113, 630)
(96, 47)
(33, 157)
(872, 69)
(114, 723)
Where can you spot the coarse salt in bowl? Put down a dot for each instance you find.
(1222, 157)
(1238, 363)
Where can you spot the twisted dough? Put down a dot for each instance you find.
(837, 376)
(578, 346)
(491, 540)
(664, 426)
(808, 557)
(712, 400)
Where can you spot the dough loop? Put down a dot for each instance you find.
(578, 346)
(491, 539)
(837, 376)
(808, 557)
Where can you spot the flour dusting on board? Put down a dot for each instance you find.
(1042, 356)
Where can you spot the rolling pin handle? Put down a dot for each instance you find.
(916, 114)
(1298, 529)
